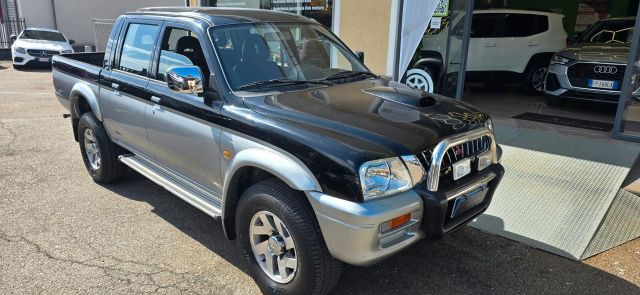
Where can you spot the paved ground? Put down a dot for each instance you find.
(62, 234)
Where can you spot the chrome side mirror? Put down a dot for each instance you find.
(185, 79)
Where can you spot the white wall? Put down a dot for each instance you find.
(75, 17)
(37, 13)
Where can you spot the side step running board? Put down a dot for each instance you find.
(170, 183)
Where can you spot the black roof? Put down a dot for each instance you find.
(224, 16)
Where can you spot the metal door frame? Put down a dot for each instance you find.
(626, 93)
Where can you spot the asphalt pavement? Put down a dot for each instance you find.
(60, 233)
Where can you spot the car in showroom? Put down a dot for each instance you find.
(505, 45)
(36, 46)
(268, 122)
(593, 66)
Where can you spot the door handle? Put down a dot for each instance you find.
(155, 99)
(115, 86)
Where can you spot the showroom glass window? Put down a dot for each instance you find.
(629, 125)
(137, 48)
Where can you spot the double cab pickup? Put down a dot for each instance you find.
(268, 122)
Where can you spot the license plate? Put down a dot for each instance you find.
(603, 84)
(43, 59)
(469, 200)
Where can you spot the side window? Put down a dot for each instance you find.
(484, 25)
(179, 47)
(523, 25)
(137, 48)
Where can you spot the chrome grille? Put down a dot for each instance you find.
(468, 149)
(42, 53)
(580, 74)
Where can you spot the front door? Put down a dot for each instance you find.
(182, 136)
(483, 42)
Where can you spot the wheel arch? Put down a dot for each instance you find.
(252, 165)
(82, 100)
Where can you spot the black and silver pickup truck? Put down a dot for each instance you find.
(267, 121)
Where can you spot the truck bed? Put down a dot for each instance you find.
(74, 68)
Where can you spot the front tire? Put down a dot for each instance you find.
(282, 242)
(99, 153)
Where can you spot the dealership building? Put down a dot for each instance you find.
(560, 79)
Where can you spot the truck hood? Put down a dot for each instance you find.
(42, 45)
(373, 115)
(597, 52)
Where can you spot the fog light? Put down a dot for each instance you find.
(395, 223)
(484, 160)
(461, 168)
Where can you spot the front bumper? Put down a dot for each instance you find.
(25, 59)
(352, 230)
(558, 85)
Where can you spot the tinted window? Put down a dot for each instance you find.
(171, 54)
(43, 35)
(484, 25)
(137, 48)
(522, 25)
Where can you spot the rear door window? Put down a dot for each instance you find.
(523, 25)
(137, 48)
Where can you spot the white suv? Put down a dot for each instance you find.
(505, 44)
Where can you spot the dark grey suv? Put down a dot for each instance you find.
(593, 66)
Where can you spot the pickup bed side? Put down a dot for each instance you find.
(76, 79)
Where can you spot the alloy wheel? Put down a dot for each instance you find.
(91, 149)
(273, 247)
(537, 79)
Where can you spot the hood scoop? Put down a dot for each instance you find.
(403, 94)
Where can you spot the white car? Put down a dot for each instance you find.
(505, 44)
(37, 46)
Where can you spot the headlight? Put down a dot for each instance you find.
(384, 177)
(66, 51)
(489, 124)
(20, 50)
(559, 60)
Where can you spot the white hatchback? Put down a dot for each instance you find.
(37, 46)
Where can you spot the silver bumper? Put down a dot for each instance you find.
(352, 230)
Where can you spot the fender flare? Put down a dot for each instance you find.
(285, 167)
(83, 90)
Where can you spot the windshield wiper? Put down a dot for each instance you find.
(277, 82)
(348, 74)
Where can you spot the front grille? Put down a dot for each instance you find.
(39, 53)
(580, 74)
(469, 149)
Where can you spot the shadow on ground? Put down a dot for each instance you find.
(467, 261)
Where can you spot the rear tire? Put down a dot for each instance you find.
(535, 77)
(290, 220)
(99, 153)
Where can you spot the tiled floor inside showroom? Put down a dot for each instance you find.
(509, 100)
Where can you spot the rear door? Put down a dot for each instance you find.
(128, 98)
(483, 50)
(523, 37)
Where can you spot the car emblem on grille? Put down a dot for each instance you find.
(605, 69)
(43, 53)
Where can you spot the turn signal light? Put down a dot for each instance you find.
(395, 223)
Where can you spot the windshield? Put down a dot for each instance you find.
(267, 52)
(43, 35)
(609, 31)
